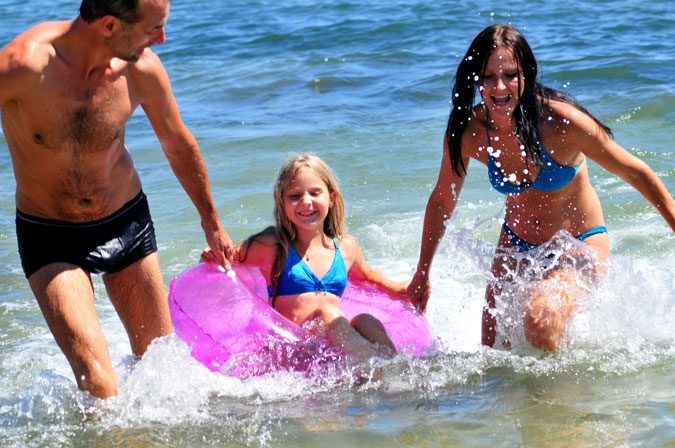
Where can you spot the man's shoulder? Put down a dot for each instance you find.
(149, 75)
(32, 50)
(25, 59)
(148, 65)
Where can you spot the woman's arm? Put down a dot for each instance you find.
(440, 207)
(598, 146)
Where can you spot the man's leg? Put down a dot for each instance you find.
(139, 296)
(66, 298)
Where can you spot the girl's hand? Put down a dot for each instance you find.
(208, 256)
(398, 290)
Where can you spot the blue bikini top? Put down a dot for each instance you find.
(297, 277)
(552, 176)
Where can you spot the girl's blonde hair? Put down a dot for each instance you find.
(284, 229)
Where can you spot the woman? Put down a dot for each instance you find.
(535, 141)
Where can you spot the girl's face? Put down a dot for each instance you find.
(500, 83)
(307, 200)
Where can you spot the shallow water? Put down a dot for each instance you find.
(366, 86)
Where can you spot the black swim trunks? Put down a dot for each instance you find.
(103, 246)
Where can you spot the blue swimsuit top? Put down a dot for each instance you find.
(552, 176)
(297, 277)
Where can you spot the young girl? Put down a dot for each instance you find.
(306, 258)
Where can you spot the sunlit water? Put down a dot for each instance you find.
(366, 86)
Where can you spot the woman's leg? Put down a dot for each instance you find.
(503, 267)
(552, 302)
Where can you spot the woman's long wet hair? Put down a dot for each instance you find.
(530, 110)
(284, 230)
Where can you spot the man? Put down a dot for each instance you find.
(67, 90)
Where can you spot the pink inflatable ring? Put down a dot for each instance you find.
(220, 315)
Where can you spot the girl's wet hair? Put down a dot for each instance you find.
(284, 230)
(531, 103)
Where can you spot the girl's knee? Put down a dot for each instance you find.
(370, 328)
(365, 320)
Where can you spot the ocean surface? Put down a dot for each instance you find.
(366, 85)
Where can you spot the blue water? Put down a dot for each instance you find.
(366, 86)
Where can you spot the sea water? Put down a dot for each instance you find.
(366, 85)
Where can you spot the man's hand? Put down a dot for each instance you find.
(220, 243)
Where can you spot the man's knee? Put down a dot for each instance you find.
(100, 382)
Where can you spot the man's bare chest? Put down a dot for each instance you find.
(67, 114)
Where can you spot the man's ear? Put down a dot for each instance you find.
(108, 25)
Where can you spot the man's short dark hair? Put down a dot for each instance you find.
(126, 10)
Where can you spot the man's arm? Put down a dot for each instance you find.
(182, 151)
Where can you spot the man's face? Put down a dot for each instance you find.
(131, 39)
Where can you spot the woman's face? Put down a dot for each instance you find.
(500, 83)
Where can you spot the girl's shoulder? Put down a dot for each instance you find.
(347, 243)
(346, 240)
(349, 246)
(259, 247)
(265, 239)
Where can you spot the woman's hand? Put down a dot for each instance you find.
(419, 291)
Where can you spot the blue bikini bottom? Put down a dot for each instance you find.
(524, 246)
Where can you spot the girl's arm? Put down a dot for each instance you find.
(598, 146)
(360, 270)
(440, 207)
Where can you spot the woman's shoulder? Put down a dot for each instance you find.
(475, 128)
(564, 116)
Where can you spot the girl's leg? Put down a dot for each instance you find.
(372, 329)
(342, 335)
